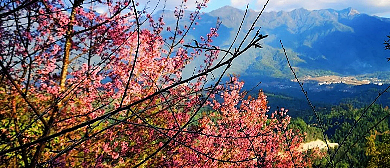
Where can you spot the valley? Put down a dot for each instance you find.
(288, 94)
(349, 80)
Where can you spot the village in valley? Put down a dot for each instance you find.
(349, 80)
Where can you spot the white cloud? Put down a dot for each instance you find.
(381, 3)
(101, 9)
(372, 7)
(239, 3)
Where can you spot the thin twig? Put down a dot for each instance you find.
(307, 99)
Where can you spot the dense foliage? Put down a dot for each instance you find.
(357, 146)
(312, 132)
(378, 149)
(365, 144)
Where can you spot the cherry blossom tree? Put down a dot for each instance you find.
(86, 89)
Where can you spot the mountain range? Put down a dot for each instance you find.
(318, 42)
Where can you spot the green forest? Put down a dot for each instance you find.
(362, 144)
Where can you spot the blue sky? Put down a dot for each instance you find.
(371, 7)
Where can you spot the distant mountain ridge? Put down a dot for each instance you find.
(319, 42)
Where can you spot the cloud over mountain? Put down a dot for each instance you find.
(377, 7)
